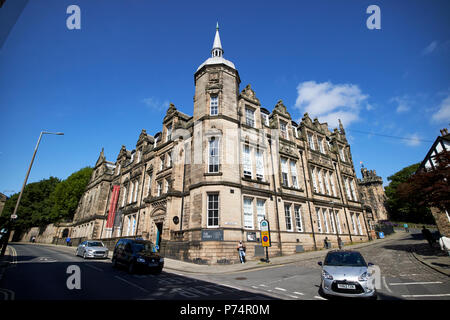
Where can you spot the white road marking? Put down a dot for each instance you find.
(317, 297)
(299, 293)
(229, 286)
(410, 283)
(425, 295)
(295, 297)
(281, 289)
(131, 283)
(386, 286)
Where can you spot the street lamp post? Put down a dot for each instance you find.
(14, 215)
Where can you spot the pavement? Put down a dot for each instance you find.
(4, 262)
(432, 257)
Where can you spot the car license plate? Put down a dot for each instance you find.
(346, 286)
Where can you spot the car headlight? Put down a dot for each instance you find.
(365, 276)
(90, 250)
(161, 260)
(326, 275)
(141, 260)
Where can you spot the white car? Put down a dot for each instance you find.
(92, 249)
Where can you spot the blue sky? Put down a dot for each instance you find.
(103, 84)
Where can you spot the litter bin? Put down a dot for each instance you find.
(380, 235)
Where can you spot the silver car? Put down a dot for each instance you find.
(345, 273)
(92, 249)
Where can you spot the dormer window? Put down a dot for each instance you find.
(250, 117)
(283, 130)
(311, 141)
(169, 133)
(265, 118)
(214, 106)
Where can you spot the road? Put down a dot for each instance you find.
(39, 272)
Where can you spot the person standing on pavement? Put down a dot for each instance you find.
(428, 236)
(241, 251)
(325, 243)
(406, 227)
(68, 241)
(340, 243)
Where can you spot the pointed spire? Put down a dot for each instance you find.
(217, 50)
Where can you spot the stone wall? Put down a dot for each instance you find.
(442, 221)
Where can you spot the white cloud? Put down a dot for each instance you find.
(443, 114)
(156, 104)
(414, 140)
(330, 102)
(430, 48)
(403, 103)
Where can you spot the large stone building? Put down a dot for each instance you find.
(204, 182)
(373, 197)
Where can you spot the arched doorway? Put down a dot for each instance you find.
(158, 216)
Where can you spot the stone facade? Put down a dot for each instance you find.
(374, 199)
(204, 182)
(3, 199)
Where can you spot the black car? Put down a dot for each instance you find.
(137, 255)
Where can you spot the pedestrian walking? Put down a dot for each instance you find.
(325, 243)
(241, 250)
(428, 236)
(68, 241)
(406, 227)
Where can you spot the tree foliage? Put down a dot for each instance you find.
(47, 201)
(401, 208)
(430, 188)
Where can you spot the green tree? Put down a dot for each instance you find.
(63, 201)
(33, 205)
(400, 208)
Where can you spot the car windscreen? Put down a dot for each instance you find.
(95, 244)
(348, 259)
(144, 246)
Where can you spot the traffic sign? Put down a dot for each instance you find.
(265, 233)
(14, 216)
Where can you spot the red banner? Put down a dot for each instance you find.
(113, 206)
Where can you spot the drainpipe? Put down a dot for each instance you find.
(309, 204)
(182, 195)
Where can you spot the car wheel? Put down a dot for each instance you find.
(113, 263)
(157, 270)
(84, 255)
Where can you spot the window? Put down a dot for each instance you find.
(352, 188)
(283, 130)
(294, 174)
(136, 188)
(313, 177)
(358, 221)
(319, 220)
(265, 119)
(133, 227)
(248, 213)
(129, 225)
(159, 188)
(169, 133)
(320, 142)
(131, 192)
(260, 211)
(250, 117)
(319, 175)
(287, 214)
(162, 159)
(169, 160)
(295, 131)
(214, 106)
(333, 187)
(353, 220)
(327, 182)
(213, 155)
(311, 141)
(124, 195)
(347, 188)
(247, 162)
(284, 172)
(342, 153)
(259, 165)
(298, 218)
(138, 156)
(325, 220)
(338, 221)
(213, 210)
(167, 186)
(118, 169)
(331, 219)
